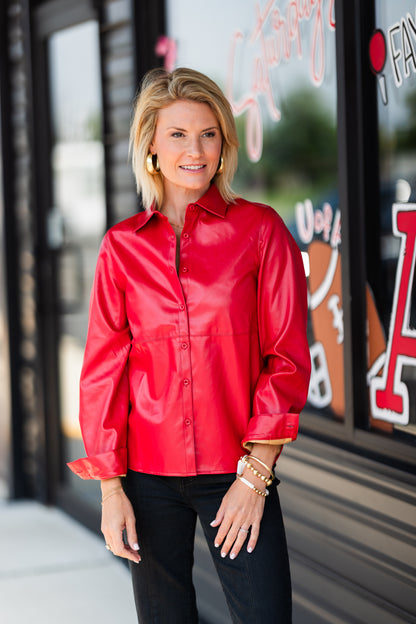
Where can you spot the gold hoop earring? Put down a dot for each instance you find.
(152, 167)
(221, 166)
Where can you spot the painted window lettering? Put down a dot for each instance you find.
(402, 39)
(276, 38)
(389, 395)
(399, 47)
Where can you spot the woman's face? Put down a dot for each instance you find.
(188, 144)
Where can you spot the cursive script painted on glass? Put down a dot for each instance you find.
(277, 37)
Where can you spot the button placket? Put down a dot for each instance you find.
(187, 402)
(172, 247)
(185, 341)
(191, 215)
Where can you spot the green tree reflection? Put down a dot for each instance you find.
(299, 152)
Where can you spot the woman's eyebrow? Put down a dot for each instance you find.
(184, 130)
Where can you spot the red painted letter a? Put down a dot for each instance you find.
(389, 395)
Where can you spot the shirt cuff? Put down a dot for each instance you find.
(102, 466)
(272, 429)
(249, 444)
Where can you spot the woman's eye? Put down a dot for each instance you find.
(209, 135)
(177, 135)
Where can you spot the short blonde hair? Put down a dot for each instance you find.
(159, 89)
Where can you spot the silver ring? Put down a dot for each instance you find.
(243, 530)
(108, 547)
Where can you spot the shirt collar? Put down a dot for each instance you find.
(213, 202)
(210, 201)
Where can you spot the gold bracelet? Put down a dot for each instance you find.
(258, 474)
(252, 487)
(117, 489)
(262, 464)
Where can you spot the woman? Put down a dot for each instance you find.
(196, 355)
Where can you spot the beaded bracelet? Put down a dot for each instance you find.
(252, 487)
(117, 489)
(243, 461)
(262, 464)
(258, 474)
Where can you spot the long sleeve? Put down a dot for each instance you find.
(104, 387)
(282, 386)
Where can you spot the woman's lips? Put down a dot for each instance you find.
(192, 167)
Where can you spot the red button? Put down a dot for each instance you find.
(184, 345)
(186, 235)
(186, 382)
(185, 270)
(187, 422)
(181, 307)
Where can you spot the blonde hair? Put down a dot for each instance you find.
(159, 89)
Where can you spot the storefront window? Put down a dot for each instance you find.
(392, 379)
(276, 62)
(77, 219)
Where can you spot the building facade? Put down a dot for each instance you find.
(324, 95)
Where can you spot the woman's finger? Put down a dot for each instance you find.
(131, 533)
(231, 537)
(241, 538)
(125, 551)
(117, 544)
(119, 548)
(219, 517)
(222, 532)
(254, 536)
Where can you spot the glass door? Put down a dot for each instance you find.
(77, 217)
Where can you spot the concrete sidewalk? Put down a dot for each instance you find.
(54, 571)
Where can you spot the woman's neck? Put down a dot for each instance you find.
(174, 213)
(176, 201)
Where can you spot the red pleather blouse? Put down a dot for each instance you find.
(183, 368)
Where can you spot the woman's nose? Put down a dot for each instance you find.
(194, 146)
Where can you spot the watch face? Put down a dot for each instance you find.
(240, 467)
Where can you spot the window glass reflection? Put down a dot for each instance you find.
(78, 217)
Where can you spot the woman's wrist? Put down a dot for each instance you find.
(257, 467)
(266, 453)
(108, 485)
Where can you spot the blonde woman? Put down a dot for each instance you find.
(196, 365)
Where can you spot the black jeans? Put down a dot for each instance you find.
(256, 585)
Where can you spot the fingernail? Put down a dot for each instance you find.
(136, 547)
(212, 523)
(232, 556)
(223, 554)
(216, 545)
(249, 549)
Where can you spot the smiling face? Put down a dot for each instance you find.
(188, 143)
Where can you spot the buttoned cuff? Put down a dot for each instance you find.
(102, 466)
(271, 429)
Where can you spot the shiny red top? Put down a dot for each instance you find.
(182, 368)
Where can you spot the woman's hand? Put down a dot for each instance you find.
(242, 508)
(117, 516)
